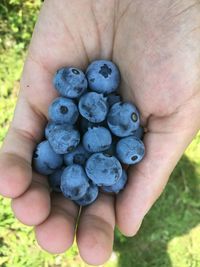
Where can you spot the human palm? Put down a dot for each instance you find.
(156, 46)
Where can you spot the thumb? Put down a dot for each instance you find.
(165, 142)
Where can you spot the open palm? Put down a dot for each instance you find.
(156, 47)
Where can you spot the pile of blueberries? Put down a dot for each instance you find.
(91, 134)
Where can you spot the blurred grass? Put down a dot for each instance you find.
(170, 234)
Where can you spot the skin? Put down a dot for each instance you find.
(156, 46)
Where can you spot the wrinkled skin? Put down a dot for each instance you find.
(156, 46)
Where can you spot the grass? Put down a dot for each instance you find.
(170, 233)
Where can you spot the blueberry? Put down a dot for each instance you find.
(119, 185)
(130, 150)
(55, 180)
(49, 127)
(112, 99)
(103, 169)
(123, 119)
(70, 82)
(64, 140)
(85, 124)
(74, 182)
(90, 196)
(63, 110)
(78, 156)
(139, 133)
(97, 139)
(103, 76)
(93, 107)
(45, 160)
(52, 125)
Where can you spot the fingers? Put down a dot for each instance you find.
(95, 230)
(15, 175)
(26, 130)
(147, 180)
(33, 207)
(16, 153)
(15, 164)
(56, 233)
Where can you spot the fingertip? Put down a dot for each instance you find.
(32, 207)
(56, 234)
(15, 176)
(95, 245)
(131, 207)
(128, 230)
(95, 233)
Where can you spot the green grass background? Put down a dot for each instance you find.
(170, 234)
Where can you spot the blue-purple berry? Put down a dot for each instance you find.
(54, 180)
(97, 139)
(63, 110)
(70, 82)
(52, 125)
(93, 107)
(130, 150)
(123, 119)
(78, 156)
(103, 169)
(45, 160)
(74, 182)
(118, 186)
(90, 196)
(64, 140)
(103, 76)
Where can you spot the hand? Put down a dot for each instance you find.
(156, 46)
